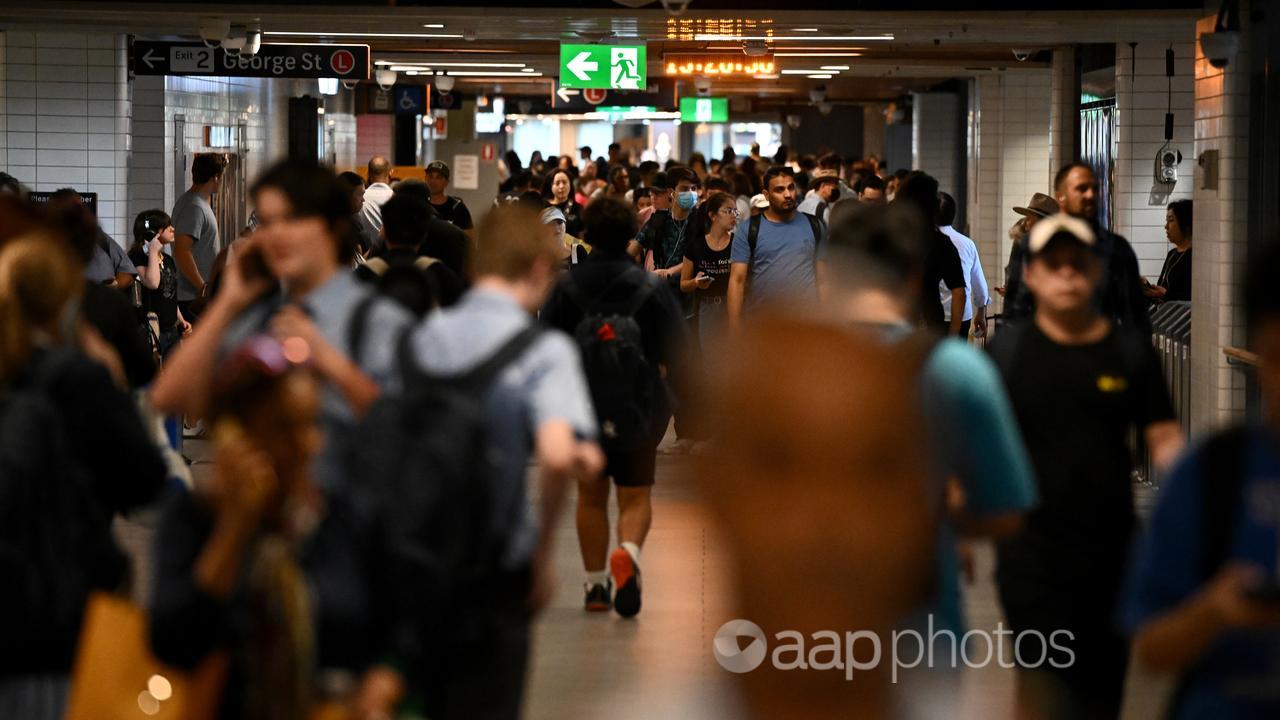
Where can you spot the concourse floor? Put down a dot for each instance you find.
(660, 664)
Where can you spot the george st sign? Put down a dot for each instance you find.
(345, 62)
(603, 67)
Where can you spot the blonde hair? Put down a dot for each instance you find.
(511, 243)
(38, 282)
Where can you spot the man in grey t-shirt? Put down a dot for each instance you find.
(196, 242)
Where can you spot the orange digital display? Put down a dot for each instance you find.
(721, 65)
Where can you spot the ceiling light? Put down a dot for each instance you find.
(433, 25)
(835, 67)
(528, 70)
(802, 72)
(710, 37)
(483, 73)
(409, 72)
(820, 76)
(365, 34)
(426, 63)
(804, 29)
(816, 55)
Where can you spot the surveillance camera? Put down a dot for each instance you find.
(350, 84)
(793, 121)
(755, 48)
(213, 31)
(818, 94)
(1022, 54)
(236, 39)
(469, 35)
(385, 78)
(252, 43)
(444, 83)
(1220, 47)
(702, 84)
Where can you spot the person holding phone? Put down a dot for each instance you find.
(705, 271)
(158, 276)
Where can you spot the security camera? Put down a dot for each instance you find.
(755, 48)
(236, 39)
(385, 78)
(252, 43)
(1220, 47)
(818, 94)
(1022, 54)
(213, 31)
(702, 84)
(350, 84)
(793, 121)
(444, 83)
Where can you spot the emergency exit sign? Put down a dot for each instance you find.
(603, 67)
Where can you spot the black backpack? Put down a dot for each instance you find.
(625, 386)
(427, 463)
(55, 540)
(405, 280)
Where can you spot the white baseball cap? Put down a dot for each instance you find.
(760, 202)
(552, 214)
(1054, 225)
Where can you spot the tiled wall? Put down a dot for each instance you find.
(66, 117)
(935, 139)
(1142, 97)
(1221, 238)
(373, 136)
(1008, 159)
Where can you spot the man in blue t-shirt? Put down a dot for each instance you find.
(1204, 594)
(784, 263)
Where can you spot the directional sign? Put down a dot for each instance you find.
(594, 96)
(661, 93)
(345, 62)
(606, 67)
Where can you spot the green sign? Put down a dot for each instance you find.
(704, 110)
(603, 67)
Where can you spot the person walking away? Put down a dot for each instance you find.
(775, 255)
(976, 294)
(1080, 383)
(366, 233)
(377, 190)
(469, 656)
(942, 269)
(290, 278)
(420, 283)
(196, 243)
(704, 274)
(450, 208)
(1203, 601)
(630, 331)
(158, 274)
(1174, 284)
(873, 191)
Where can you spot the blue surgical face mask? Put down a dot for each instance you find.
(687, 199)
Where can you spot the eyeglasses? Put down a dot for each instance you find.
(729, 211)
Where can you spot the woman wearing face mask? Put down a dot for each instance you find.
(704, 274)
(158, 275)
(558, 192)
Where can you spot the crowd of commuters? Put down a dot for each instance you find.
(376, 368)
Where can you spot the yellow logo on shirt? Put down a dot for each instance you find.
(1112, 384)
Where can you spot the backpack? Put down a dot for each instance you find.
(1222, 481)
(624, 384)
(427, 465)
(55, 540)
(753, 234)
(406, 281)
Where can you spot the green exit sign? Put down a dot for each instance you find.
(704, 110)
(603, 67)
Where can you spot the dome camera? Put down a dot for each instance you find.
(818, 94)
(793, 121)
(213, 31)
(385, 78)
(702, 84)
(236, 40)
(444, 83)
(252, 43)
(350, 84)
(1022, 54)
(1220, 47)
(755, 48)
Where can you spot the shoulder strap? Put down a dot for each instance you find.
(425, 261)
(753, 237)
(358, 326)
(815, 224)
(485, 373)
(1222, 469)
(377, 266)
(820, 212)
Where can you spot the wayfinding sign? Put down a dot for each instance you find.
(603, 67)
(345, 62)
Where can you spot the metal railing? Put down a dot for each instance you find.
(1171, 338)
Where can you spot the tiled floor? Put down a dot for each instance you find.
(660, 664)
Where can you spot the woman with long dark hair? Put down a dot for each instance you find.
(158, 276)
(705, 272)
(557, 190)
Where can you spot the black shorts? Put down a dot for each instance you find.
(631, 469)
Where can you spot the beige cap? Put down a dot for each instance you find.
(760, 202)
(1050, 227)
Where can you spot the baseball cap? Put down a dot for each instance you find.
(660, 182)
(1057, 225)
(760, 202)
(825, 173)
(439, 167)
(828, 178)
(1041, 205)
(552, 214)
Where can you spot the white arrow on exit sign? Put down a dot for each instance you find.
(565, 94)
(582, 67)
(150, 58)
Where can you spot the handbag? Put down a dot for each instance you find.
(115, 676)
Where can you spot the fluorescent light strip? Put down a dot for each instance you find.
(436, 26)
(772, 38)
(803, 72)
(804, 29)
(819, 76)
(365, 34)
(818, 55)
(481, 73)
(835, 67)
(410, 69)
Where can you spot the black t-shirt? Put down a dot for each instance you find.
(163, 301)
(455, 211)
(941, 266)
(1075, 406)
(714, 263)
(1175, 276)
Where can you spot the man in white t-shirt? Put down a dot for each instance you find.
(378, 190)
(976, 294)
